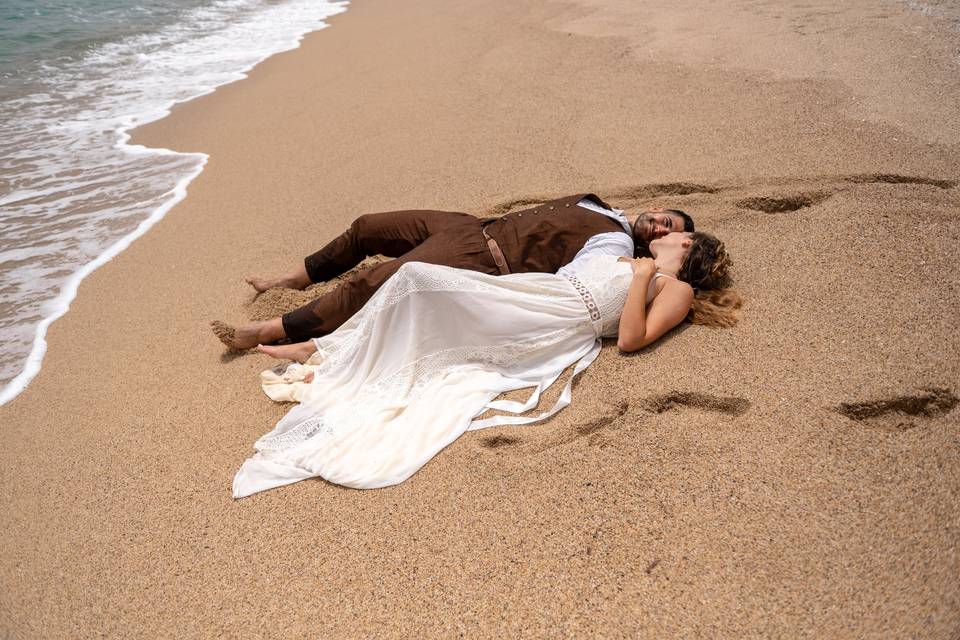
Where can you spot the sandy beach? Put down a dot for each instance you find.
(797, 475)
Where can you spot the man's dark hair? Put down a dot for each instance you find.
(687, 220)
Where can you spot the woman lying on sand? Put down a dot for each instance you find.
(434, 346)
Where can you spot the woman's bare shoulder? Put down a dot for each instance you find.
(676, 284)
(673, 288)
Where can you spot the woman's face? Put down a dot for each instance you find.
(677, 241)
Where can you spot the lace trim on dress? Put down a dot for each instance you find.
(301, 433)
(587, 297)
(595, 316)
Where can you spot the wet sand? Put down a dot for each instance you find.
(797, 475)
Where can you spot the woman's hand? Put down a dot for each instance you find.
(641, 266)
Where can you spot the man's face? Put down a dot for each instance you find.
(656, 223)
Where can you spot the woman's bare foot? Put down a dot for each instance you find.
(250, 335)
(299, 352)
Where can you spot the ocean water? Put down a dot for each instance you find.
(75, 76)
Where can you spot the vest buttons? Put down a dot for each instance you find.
(567, 205)
(551, 208)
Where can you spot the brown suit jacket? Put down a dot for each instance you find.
(548, 236)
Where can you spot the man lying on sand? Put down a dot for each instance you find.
(553, 237)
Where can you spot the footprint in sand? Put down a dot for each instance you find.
(648, 191)
(894, 414)
(783, 204)
(892, 178)
(596, 431)
(497, 441)
(589, 430)
(732, 405)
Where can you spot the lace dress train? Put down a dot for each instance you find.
(409, 373)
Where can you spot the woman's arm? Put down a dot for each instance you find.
(640, 326)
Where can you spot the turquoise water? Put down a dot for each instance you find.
(75, 77)
(34, 33)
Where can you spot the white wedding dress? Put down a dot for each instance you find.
(427, 354)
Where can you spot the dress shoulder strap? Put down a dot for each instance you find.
(651, 289)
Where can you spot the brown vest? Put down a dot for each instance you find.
(548, 236)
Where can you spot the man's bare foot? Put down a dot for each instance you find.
(246, 336)
(296, 279)
(299, 352)
(262, 284)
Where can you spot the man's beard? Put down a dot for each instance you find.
(640, 247)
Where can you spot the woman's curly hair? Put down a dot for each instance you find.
(707, 269)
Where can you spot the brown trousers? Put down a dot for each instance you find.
(439, 237)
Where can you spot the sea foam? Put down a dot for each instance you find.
(73, 192)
